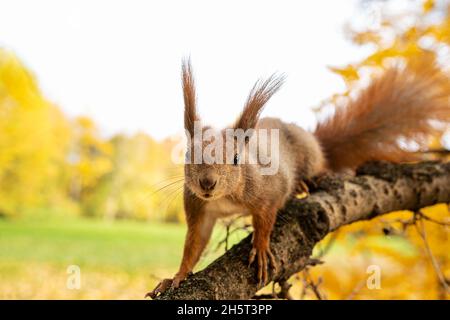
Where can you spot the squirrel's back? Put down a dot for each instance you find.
(300, 151)
(400, 104)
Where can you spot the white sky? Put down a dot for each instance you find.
(119, 61)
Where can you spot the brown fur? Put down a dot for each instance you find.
(261, 92)
(400, 103)
(190, 112)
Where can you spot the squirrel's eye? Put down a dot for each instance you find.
(236, 159)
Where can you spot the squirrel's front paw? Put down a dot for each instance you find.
(263, 257)
(166, 284)
(160, 288)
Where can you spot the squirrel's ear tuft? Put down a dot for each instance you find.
(189, 95)
(261, 92)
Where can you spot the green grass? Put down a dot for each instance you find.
(118, 260)
(121, 259)
(129, 246)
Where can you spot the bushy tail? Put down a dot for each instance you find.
(401, 104)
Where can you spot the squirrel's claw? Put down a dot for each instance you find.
(160, 288)
(304, 187)
(302, 190)
(166, 284)
(264, 257)
(251, 257)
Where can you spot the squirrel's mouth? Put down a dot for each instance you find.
(208, 196)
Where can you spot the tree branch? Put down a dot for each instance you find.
(377, 188)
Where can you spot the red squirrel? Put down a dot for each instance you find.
(401, 103)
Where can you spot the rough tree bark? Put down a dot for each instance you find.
(377, 188)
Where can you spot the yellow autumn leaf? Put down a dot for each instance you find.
(428, 5)
(349, 73)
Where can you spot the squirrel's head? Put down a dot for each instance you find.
(216, 160)
(212, 170)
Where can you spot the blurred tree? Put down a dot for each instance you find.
(418, 34)
(34, 139)
(48, 161)
(90, 160)
(142, 184)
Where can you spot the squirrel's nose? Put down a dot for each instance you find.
(207, 184)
